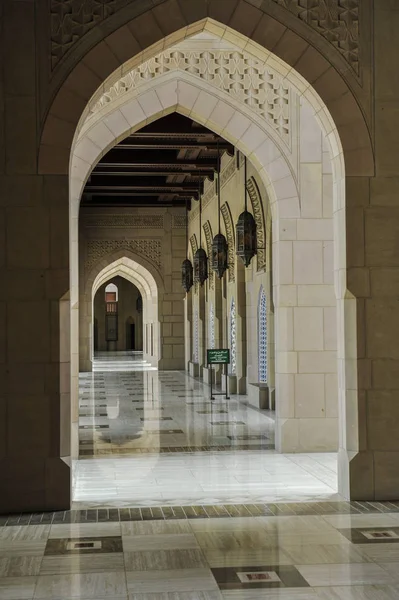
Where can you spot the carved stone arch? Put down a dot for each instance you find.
(333, 21)
(322, 43)
(257, 209)
(229, 227)
(208, 238)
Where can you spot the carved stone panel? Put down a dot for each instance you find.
(149, 249)
(72, 19)
(336, 20)
(179, 221)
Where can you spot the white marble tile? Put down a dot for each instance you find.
(82, 563)
(17, 588)
(87, 585)
(181, 580)
(345, 574)
(159, 542)
(369, 592)
(85, 530)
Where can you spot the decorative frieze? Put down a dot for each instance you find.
(242, 77)
(121, 221)
(150, 249)
(257, 209)
(229, 227)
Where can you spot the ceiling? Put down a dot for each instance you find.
(163, 164)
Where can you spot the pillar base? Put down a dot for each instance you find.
(231, 382)
(194, 369)
(32, 484)
(261, 396)
(216, 374)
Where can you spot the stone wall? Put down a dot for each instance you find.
(155, 240)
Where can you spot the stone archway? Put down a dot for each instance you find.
(142, 274)
(268, 144)
(355, 165)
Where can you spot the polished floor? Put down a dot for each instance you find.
(180, 508)
(349, 556)
(150, 438)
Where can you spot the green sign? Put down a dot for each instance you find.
(218, 357)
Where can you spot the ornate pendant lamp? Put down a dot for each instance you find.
(187, 267)
(219, 243)
(139, 304)
(246, 230)
(200, 257)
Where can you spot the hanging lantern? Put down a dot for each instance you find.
(246, 237)
(246, 244)
(187, 275)
(219, 243)
(186, 266)
(139, 304)
(200, 266)
(200, 257)
(219, 254)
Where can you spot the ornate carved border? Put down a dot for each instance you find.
(194, 244)
(257, 208)
(209, 237)
(229, 227)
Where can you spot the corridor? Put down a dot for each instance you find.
(150, 438)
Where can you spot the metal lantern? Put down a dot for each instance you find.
(246, 244)
(200, 257)
(186, 266)
(187, 275)
(219, 254)
(200, 266)
(139, 304)
(219, 243)
(246, 237)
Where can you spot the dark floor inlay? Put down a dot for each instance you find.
(248, 437)
(83, 545)
(156, 419)
(267, 576)
(372, 535)
(228, 423)
(93, 426)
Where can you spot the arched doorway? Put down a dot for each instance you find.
(347, 306)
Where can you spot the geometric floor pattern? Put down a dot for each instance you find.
(150, 438)
(272, 557)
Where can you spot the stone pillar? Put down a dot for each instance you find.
(188, 329)
(241, 328)
(34, 357)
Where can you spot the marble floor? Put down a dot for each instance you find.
(347, 555)
(172, 502)
(150, 438)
